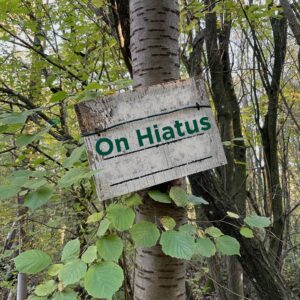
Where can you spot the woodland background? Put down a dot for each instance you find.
(54, 54)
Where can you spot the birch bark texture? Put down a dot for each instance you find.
(155, 59)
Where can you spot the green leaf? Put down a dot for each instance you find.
(24, 140)
(104, 224)
(73, 176)
(89, 255)
(120, 216)
(98, 3)
(246, 232)
(103, 280)
(58, 96)
(196, 200)
(167, 222)
(159, 196)
(110, 247)
(13, 118)
(32, 297)
(8, 191)
(71, 250)
(32, 261)
(95, 217)
(93, 86)
(65, 295)
(74, 157)
(179, 196)
(232, 215)
(39, 197)
(177, 244)
(213, 231)
(144, 234)
(228, 245)
(54, 269)
(45, 288)
(134, 200)
(72, 272)
(188, 229)
(35, 183)
(205, 247)
(257, 221)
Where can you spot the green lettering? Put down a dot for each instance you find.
(168, 133)
(145, 136)
(125, 144)
(205, 122)
(192, 130)
(106, 142)
(178, 128)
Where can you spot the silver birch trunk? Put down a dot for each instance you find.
(155, 59)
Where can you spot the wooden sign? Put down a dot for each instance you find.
(143, 138)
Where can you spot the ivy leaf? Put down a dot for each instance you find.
(120, 216)
(104, 225)
(213, 231)
(72, 272)
(179, 196)
(134, 200)
(159, 196)
(65, 295)
(39, 197)
(228, 245)
(257, 221)
(110, 247)
(246, 232)
(74, 157)
(32, 261)
(205, 247)
(95, 217)
(144, 234)
(71, 250)
(8, 191)
(89, 255)
(177, 244)
(45, 288)
(196, 200)
(167, 222)
(109, 274)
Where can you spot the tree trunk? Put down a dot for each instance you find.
(155, 59)
(233, 175)
(254, 259)
(22, 286)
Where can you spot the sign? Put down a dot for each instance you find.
(146, 137)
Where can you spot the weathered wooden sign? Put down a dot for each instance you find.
(143, 138)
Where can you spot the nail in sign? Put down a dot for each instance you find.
(143, 138)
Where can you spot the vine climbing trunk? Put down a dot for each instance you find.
(155, 59)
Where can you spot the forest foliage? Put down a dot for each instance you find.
(54, 54)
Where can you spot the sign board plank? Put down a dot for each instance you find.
(146, 137)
